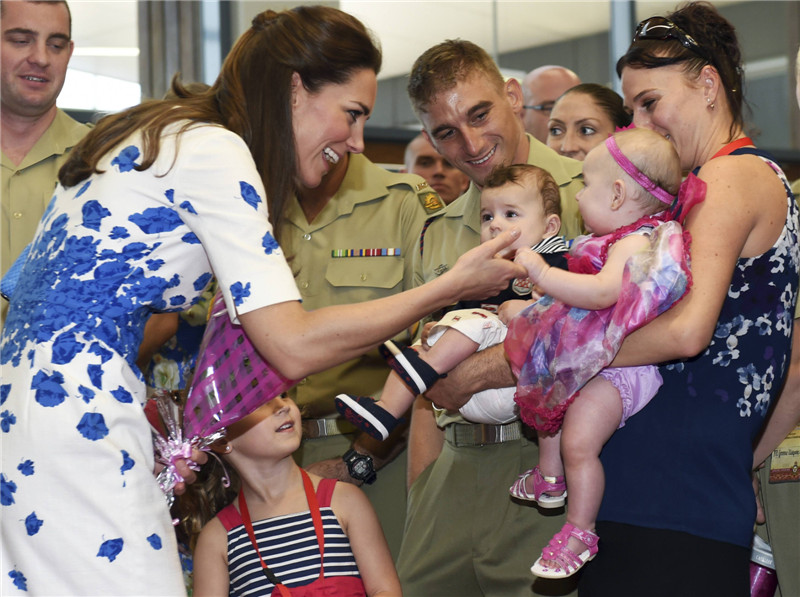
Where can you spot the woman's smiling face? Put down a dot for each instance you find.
(577, 124)
(665, 100)
(330, 123)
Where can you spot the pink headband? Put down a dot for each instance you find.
(637, 175)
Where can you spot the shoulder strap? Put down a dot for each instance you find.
(753, 151)
(313, 507)
(230, 517)
(770, 160)
(325, 492)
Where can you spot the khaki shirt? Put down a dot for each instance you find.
(457, 229)
(373, 209)
(28, 188)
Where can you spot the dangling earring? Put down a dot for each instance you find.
(710, 103)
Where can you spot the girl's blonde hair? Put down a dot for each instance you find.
(656, 158)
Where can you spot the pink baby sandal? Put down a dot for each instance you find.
(567, 562)
(541, 484)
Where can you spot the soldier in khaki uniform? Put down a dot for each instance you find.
(34, 134)
(464, 534)
(28, 186)
(460, 222)
(347, 241)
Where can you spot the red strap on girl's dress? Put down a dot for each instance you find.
(313, 506)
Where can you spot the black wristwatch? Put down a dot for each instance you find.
(360, 466)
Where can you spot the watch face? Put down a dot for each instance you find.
(360, 467)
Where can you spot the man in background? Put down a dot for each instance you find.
(540, 89)
(35, 136)
(422, 159)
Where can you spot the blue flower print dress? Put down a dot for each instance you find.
(81, 511)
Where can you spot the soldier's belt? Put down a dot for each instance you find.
(315, 428)
(467, 434)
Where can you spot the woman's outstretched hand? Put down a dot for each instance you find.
(479, 273)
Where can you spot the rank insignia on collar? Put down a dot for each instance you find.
(421, 186)
(431, 202)
(440, 269)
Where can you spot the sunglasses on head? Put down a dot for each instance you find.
(662, 29)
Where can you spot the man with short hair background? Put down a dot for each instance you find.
(421, 158)
(35, 135)
(540, 89)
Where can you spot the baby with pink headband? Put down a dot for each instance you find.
(632, 267)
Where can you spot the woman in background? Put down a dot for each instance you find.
(583, 117)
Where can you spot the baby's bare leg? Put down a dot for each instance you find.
(590, 421)
(449, 350)
(550, 462)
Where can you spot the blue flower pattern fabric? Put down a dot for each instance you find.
(81, 511)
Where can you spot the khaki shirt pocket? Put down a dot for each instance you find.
(366, 278)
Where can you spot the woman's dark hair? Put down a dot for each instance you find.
(252, 95)
(715, 36)
(606, 99)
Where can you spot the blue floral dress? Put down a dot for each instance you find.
(81, 511)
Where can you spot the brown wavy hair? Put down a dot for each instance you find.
(251, 96)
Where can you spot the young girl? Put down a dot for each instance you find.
(305, 535)
(631, 268)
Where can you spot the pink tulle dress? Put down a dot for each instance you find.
(554, 349)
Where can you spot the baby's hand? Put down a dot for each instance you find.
(509, 309)
(507, 253)
(533, 262)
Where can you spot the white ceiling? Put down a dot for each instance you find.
(98, 24)
(405, 28)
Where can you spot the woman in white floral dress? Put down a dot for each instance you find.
(152, 201)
